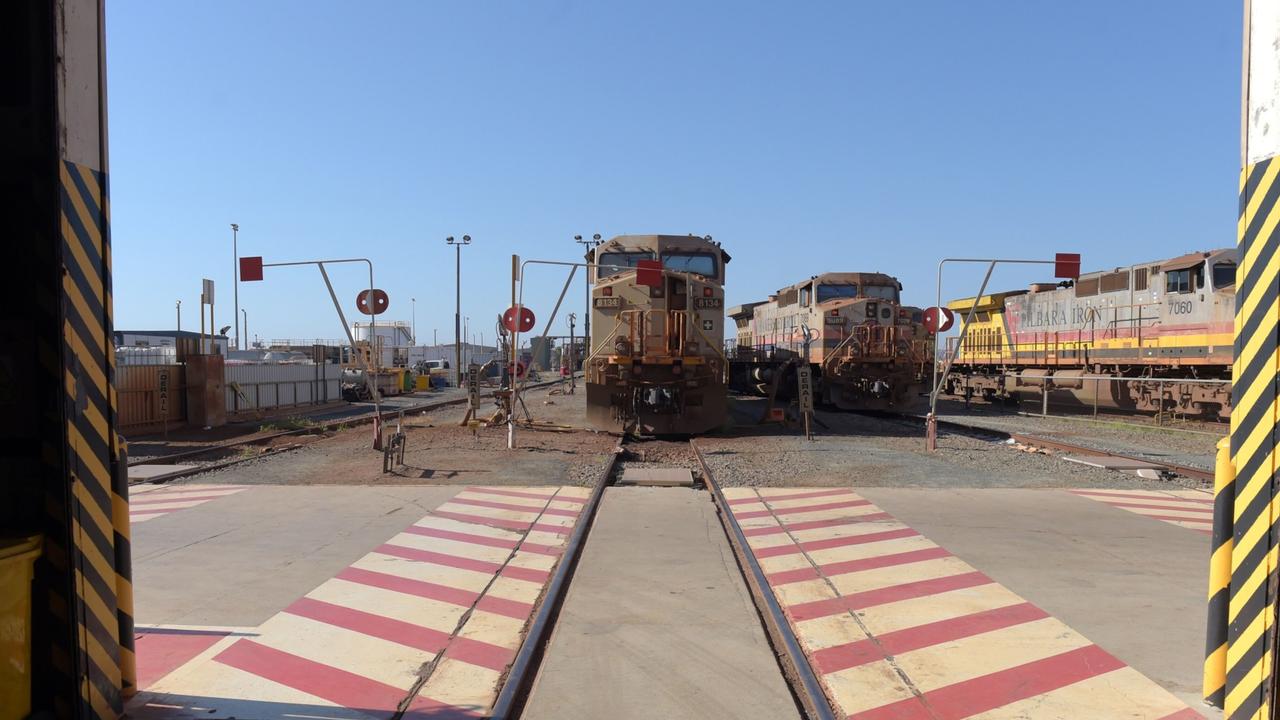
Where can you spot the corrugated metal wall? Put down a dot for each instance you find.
(151, 396)
(264, 386)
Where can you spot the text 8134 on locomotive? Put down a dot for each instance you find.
(868, 351)
(656, 365)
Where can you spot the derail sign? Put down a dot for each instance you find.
(250, 269)
(1066, 266)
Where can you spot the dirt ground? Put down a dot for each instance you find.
(850, 450)
(440, 451)
(863, 451)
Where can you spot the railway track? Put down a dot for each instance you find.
(794, 665)
(1051, 444)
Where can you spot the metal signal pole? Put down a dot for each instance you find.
(235, 279)
(586, 318)
(457, 308)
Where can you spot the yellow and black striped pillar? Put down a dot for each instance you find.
(1251, 605)
(1246, 660)
(1215, 663)
(89, 410)
(64, 481)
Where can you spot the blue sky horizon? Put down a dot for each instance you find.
(806, 138)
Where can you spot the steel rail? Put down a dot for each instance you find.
(519, 680)
(800, 675)
(1040, 441)
(1187, 470)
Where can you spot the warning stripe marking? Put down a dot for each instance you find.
(794, 496)
(480, 540)
(340, 687)
(513, 506)
(482, 566)
(494, 657)
(814, 524)
(158, 503)
(445, 596)
(802, 509)
(851, 566)
(898, 628)
(840, 657)
(502, 522)
(1193, 513)
(529, 495)
(966, 699)
(836, 542)
(1163, 496)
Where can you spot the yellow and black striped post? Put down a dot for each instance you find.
(1249, 685)
(1215, 663)
(124, 568)
(89, 410)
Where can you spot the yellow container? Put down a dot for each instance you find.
(422, 382)
(17, 567)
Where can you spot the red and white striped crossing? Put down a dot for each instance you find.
(426, 623)
(897, 628)
(148, 502)
(1191, 509)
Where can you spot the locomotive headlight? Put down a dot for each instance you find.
(706, 291)
(606, 291)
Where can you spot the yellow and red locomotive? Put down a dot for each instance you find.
(1149, 337)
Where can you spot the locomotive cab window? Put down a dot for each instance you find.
(1224, 275)
(884, 292)
(836, 291)
(806, 295)
(610, 263)
(691, 262)
(1184, 281)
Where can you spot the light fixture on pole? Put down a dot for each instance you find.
(179, 316)
(589, 245)
(457, 308)
(235, 279)
(413, 319)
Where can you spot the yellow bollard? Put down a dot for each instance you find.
(1215, 662)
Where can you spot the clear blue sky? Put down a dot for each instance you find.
(807, 137)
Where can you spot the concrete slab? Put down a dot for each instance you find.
(657, 477)
(897, 626)
(155, 473)
(1132, 585)
(658, 621)
(240, 559)
(426, 623)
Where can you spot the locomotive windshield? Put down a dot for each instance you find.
(884, 292)
(1224, 275)
(836, 291)
(691, 262)
(611, 261)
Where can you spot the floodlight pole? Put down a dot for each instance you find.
(931, 422)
